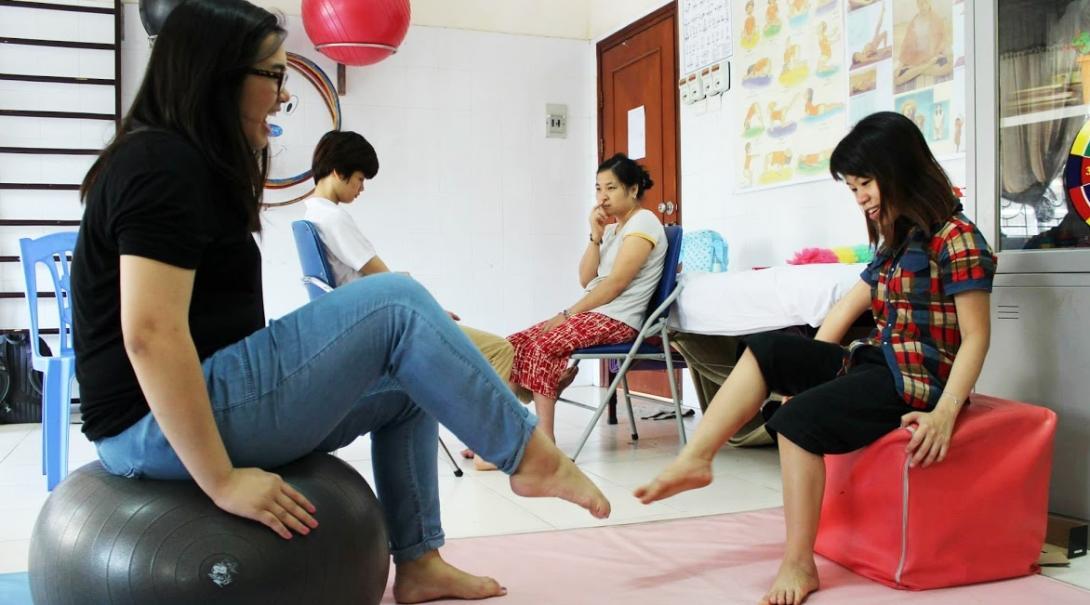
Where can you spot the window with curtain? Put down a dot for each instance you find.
(1044, 100)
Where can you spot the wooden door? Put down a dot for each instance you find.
(637, 78)
(637, 82)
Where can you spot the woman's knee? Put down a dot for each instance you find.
(389, 282)
(546, 349)
(504, 359)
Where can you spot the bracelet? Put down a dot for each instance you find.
(596, 243)
(957, 403)
(566, 313)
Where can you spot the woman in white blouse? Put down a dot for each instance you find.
(619, 270)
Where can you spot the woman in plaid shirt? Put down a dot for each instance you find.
(928, 288)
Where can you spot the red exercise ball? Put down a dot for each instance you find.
(356, 32)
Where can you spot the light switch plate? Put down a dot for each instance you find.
(556, 121)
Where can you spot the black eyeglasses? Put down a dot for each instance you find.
(279, 76)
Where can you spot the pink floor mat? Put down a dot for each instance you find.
(723, 559)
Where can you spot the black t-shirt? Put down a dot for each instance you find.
(157, 198)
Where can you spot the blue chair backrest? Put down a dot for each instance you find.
(703, 250)
(312, 256)
(668, 281)
(53, 251)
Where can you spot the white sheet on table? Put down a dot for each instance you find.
(745, 302)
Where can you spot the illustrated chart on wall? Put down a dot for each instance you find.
(791, 103)
(810, 69)
(909, 56)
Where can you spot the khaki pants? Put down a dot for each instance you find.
(499, 353)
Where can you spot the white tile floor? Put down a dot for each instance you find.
(480, 503)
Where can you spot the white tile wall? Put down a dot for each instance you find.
(471, 198)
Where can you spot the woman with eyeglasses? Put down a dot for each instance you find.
(181, 377)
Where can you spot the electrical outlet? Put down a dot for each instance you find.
(696, 87)
(683, 91)
(556, 121)
(718, 81)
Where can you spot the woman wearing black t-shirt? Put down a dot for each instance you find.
(181, 378)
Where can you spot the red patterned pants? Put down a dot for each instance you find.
(540, 359)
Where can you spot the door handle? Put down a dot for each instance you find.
(667, 207)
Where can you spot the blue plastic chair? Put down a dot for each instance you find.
(318, 279)
(317, 274)
(703, 251)
(54, 252)
(639, 354)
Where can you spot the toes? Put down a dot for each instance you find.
(650, 492)
(600, 510)
(490, 587)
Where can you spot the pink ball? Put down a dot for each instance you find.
(356, 32)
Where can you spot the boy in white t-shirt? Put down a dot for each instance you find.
(343, 161)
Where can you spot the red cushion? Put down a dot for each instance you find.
(978, 516)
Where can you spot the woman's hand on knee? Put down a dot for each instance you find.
(931, 433)
(552, 323)
(268, 499)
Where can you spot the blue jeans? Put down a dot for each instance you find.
(375, 356)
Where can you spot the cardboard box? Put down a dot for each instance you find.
(1067, 533)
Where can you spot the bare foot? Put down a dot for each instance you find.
(483, 465)
(566, 379)
(794, 582)
(683, 474)
(430, 577)
(546, 471)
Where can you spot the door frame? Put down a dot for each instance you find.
(647, 21)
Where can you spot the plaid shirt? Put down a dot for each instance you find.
(913, 305)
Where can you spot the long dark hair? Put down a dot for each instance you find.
(628, 172)
(192, 86)
(889, 148)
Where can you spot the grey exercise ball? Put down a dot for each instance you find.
(105, 539)
(154, 13)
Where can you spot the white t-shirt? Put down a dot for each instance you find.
(347, 250)
(630, 306)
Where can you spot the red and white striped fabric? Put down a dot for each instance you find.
(540, 359)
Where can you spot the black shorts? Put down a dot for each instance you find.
(828, 413)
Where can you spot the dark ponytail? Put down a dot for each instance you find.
(628, 172)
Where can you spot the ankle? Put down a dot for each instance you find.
(800, 558)
(418, 564)
(697, 456)
(537, 453)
